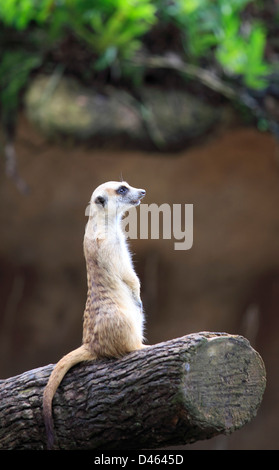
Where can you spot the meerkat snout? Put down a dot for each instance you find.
(129, 195)
(135, 201)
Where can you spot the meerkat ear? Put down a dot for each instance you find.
(101, 200)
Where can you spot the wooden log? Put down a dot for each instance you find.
(172, 393)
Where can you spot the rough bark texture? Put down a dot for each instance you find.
(172, 393)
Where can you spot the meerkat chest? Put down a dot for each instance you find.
(120, 253)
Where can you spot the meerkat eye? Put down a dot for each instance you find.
(122, 190)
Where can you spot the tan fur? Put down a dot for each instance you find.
(113, 316)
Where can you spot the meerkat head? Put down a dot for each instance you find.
(114, 198)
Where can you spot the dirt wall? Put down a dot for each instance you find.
(228, 280)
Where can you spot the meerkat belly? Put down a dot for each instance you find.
(115, 324)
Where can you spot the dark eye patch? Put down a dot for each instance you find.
(101, 200)
(122, 190)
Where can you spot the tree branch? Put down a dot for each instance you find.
(254, 101)
(172, 393)
(174, 62)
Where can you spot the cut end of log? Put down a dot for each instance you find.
(223, 384)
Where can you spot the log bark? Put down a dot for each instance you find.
(172, 393)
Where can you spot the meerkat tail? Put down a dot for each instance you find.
(61, 368)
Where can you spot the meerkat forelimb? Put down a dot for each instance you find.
(113, 316)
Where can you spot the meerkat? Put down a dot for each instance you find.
(113, 321)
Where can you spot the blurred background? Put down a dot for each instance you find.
(177, 97)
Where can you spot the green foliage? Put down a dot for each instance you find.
(212, 32)
(216, 28)
(243, 53)
(15, 68)
(114, 29)
(19, 13)
(109, 27)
